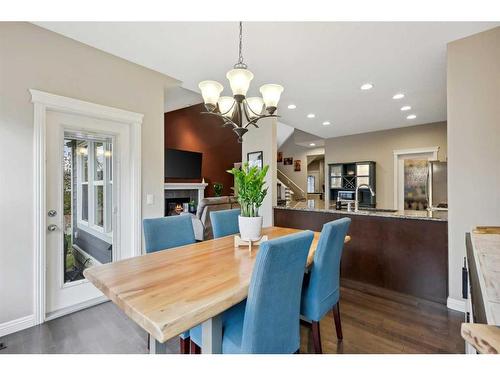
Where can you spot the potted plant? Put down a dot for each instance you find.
(251, 193)
(218, 189)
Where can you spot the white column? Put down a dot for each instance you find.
(264, 139)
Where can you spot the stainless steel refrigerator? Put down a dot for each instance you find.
(437, 185)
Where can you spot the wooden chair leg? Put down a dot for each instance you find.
(184, 345)
(316, 338)
(336, 319)
(195, 349)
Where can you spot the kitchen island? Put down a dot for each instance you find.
(403, 251)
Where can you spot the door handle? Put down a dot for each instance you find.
(52, 227)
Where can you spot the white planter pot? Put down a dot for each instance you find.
(250, 228)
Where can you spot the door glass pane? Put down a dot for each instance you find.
(69, 184)
(98, 161)
(87, 171)
(415, 184)
(99, 205)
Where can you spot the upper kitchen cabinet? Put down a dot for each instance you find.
(348, 176)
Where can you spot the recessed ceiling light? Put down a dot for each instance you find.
(292, 106)
(366, 86)
(326, 122)
(411, 117)
(405, 108)
(311, 115)
(398, 96)
(312, 144)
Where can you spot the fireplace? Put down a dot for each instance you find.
(174, 206)
(177, 194)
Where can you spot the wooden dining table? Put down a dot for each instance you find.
(168, 292)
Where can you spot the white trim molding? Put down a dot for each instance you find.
(200, 186)
(43, 102)
(455, 304)
(16, 325)
(409, 151)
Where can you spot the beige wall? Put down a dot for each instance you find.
(379, 146)
(31, 57)
(473, 141)
(291, 149)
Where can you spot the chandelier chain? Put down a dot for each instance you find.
(240, 59)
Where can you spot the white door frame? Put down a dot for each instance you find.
(409, 151)
(44, 102)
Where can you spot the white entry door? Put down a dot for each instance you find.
(84, 194)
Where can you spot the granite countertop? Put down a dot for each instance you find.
(406, 214)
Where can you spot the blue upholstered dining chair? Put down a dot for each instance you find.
(321, 290)
(225, 222)
(268, 320)
(165, 233)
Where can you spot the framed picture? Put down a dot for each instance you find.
(296, 166)
(287, 161)
(255, 159)
(279, 158)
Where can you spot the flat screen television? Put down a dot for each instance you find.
(182, 164)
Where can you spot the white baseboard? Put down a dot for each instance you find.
(456, 304)
(16, 325)
(75, 308)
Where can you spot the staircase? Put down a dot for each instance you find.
(293, 192)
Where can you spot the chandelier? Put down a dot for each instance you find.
(238, 111)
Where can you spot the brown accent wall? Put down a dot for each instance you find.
(187, 129)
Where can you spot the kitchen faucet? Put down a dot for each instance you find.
(356, 199)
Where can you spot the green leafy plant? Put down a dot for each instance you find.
(250, 183)
(218, 189)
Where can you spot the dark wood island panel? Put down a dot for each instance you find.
(405, 255)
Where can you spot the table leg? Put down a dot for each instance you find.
(156, 347)
(211, 335)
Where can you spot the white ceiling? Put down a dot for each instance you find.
(321, 65)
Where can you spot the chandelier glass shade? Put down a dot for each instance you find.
(238, 111)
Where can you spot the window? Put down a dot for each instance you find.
(94, 188)
(310, 184)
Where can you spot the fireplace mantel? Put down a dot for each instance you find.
(200, 186)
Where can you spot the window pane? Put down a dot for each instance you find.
(83, 150)
(310, 184)
(109, 160)
(85, 202)
(99, 205)
(98, 161)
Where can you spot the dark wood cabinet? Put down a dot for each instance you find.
(348, 176)
(408, 256)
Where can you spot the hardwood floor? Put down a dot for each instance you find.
(373, 321)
